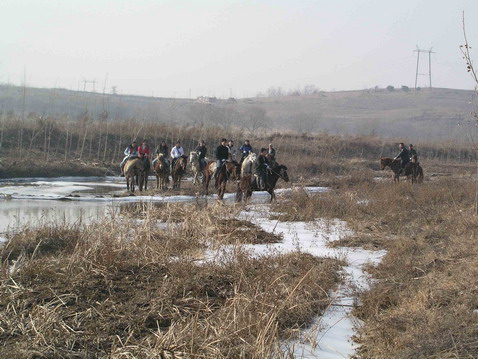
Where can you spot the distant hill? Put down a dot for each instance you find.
(425, 115)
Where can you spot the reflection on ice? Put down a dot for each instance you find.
(19, 213)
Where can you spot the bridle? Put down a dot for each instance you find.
(278, 173)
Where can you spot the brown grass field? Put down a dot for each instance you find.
(133, 290)
(423, 300)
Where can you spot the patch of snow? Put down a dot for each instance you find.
(337, 325)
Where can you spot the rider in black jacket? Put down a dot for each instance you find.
(403, 156)
(222, 155)
(201, 150)
(260, 168)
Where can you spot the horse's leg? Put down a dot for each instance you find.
(248, 194)
(273, 195)
(207, 178)
(238, 193)
(221, 189)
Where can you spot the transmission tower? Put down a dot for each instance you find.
(85, 82)
(429, 74)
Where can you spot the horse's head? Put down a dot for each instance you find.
(193, 156)
(234, 170)
(384, 162)
(183, 161)
(283, 173)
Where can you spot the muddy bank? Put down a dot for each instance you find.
(33, 167)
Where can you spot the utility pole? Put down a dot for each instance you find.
(429, 74)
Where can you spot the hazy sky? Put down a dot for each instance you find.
(168, 48)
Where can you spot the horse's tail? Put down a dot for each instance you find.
(420, 175)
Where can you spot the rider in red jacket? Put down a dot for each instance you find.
(145, 154)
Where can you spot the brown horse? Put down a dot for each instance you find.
(248, 183)
(230, 170)
(161, 171)
(134, 174)
(178, 170)
(413, 170)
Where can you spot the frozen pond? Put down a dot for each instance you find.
(31, 201)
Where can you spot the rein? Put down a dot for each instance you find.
(278, 174)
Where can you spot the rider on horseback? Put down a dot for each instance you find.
(176, 152)
(412, 153)
(232, 150)
(403, 156)
(222, 155)
(261, 165)
(145, 153)
(130, 152)
(245, 149)
(271, 153)
(164, 149)
(201, 150)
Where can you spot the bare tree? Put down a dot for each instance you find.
(255, 118)
(465, 50)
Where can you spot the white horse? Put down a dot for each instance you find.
(246, 167)
(195, 167)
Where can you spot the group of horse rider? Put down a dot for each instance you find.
(405, 156)
(224, 152)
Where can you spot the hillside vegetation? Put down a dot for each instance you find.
(438, 114)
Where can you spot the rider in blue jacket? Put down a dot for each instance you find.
(245, 149)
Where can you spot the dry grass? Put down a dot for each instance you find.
(123, 289)
(423, 301)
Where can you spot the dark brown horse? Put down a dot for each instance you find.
(413, 170)
(179, 168)
(248, 183)
(230, 170)
(162, 172)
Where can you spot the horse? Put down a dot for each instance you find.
(413, 170)
(229, 171)
(246, 165)
(196, 167)
(248, 183)
(178, 170)
(161, 171)
(134, 174)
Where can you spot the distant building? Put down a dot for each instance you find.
(206, 100)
